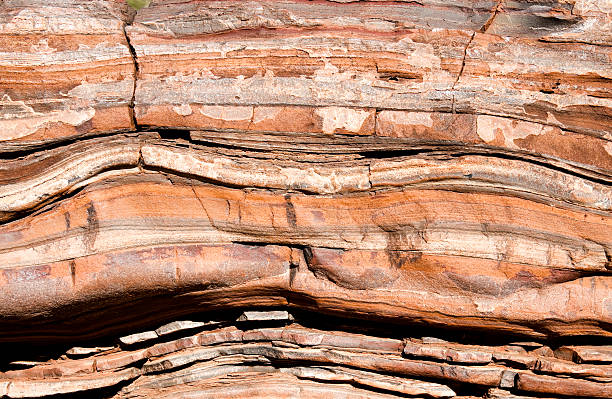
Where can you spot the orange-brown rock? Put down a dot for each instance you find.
(306, 199)
(66, 71)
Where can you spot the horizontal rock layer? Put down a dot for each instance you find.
(306, 199)
(455, 256)
(255, 358)
(66, 71)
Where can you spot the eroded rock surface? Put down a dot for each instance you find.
(303, 199)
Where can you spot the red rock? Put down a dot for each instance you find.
(364, 199)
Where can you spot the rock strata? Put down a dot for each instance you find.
(306, 199)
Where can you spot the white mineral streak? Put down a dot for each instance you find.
(592, 7)
(42, 47)
(342, 118)
(45, 56)
(259, 173)
(110, 92)
(490, 127)
(183, 110)
(406, 118)
(24, 121)
(261, 114)
(608, 148)
(19, 196)
(55, 20)
(422, 55)
(227, 113)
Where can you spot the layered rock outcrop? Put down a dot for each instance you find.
(306, 199)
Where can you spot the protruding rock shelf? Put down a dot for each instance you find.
(333, 361)
(306, 199)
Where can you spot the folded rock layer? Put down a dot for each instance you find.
(304, 199)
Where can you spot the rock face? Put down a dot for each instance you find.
(304, 199)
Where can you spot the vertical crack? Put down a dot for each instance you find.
(461, 70)
(290, 211)
(72, 264)
(136, 69)
(252, 117)
(494, 12)
(308, 257)
(483, 29)
(210, 220)
(141, 161)
(294, 265)
(608, 256)
(376, 113)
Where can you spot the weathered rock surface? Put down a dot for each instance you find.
(304, 199)
(66, 71)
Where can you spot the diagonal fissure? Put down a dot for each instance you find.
(136, 75)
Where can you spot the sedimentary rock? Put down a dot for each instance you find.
(66, 71)
(364, 199)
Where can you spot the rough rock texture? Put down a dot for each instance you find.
(304, 199)
(66, 71)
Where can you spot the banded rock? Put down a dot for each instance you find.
(364, 199)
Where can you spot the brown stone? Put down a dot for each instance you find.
(306, 199)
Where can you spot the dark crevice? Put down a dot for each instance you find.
(48, 347)
(313, 320)
(608, 254)
(563, 40)
(205, 180)
(255, 243)
(523, 394)
(396, 153)
(494, 12)
(92, 321)
(453, 110)
(43, 207)
(463, 61)
(390, 154)
(466, 389)
(174, 134)
(131, 104)
(308, 256)
(436, 149)
(439, 149)
(185, 135)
